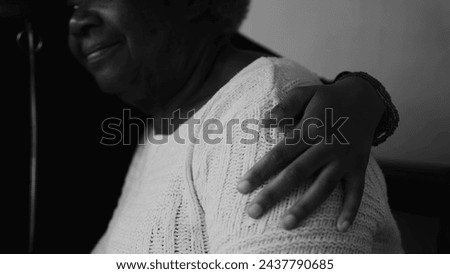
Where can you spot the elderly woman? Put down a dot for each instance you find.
(180, 196)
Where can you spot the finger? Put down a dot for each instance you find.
(296, 173)
(320, 190)
(270, 164)
(307, 133)
(353, 191)
(292, 106)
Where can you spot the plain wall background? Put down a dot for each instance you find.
(403, 43)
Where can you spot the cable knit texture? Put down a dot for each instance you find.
(182, 198)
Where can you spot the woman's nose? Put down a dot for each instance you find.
(83, 21)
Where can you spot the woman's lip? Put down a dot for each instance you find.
(101, 52)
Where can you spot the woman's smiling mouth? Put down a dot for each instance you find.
(99, 52)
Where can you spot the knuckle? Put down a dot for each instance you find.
(329, 184)
(268, 198)
(274, 157)
(292, 174)
(303, 209)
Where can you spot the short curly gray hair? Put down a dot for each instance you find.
(230, 12)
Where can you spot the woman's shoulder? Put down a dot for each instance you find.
(262, 84)
(287, 71)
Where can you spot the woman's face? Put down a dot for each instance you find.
(129, 46)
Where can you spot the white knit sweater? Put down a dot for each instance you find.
(182, 198)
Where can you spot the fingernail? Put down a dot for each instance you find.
(244, 187)
(343, 227)
(289, 222)
(255, 211)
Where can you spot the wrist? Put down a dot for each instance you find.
(381, 102)
(365, 92)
